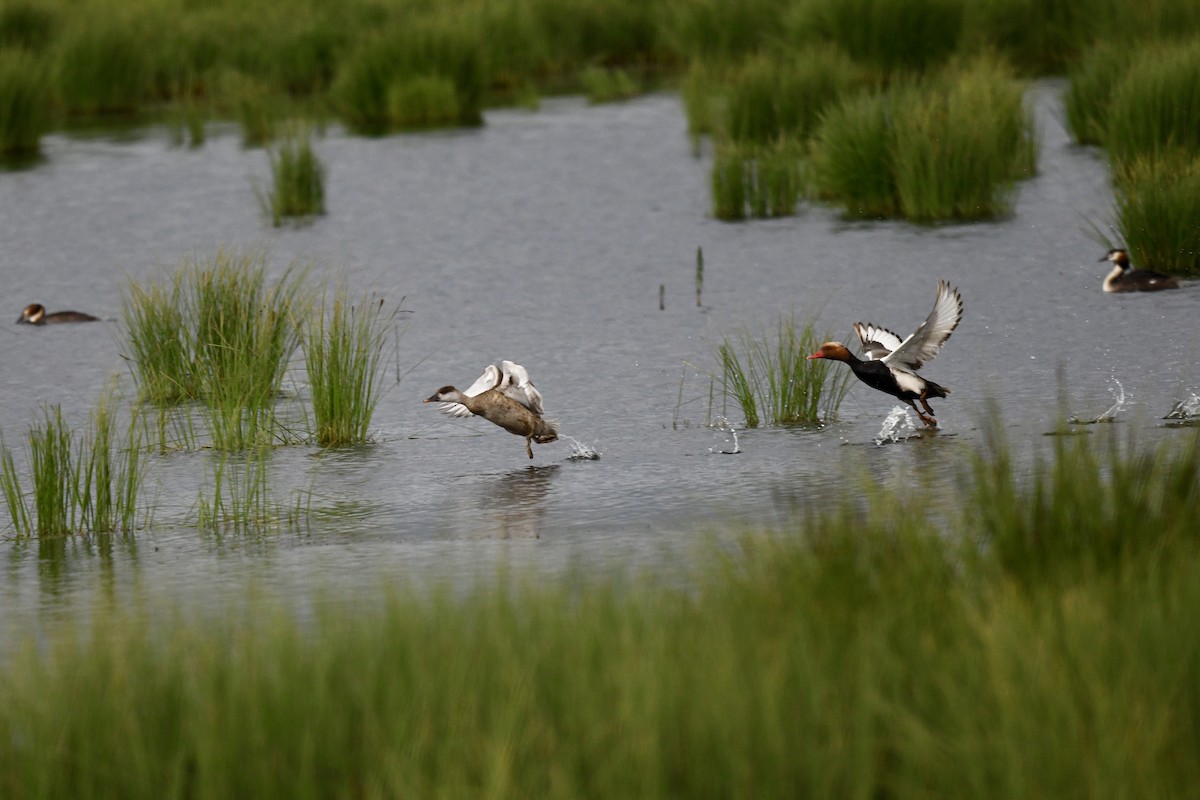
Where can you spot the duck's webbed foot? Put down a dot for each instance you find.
(928, 418)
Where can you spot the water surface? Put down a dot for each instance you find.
(543, 238)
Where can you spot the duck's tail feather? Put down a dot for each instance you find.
(547, 431)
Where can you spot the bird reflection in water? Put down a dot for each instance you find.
(516, 503)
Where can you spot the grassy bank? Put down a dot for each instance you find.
(1041, 643)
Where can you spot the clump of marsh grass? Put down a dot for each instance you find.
(1092, 81)
(1156, 210)
(343, 355)
(81, 482)
(1057, 608)
(213, 330)
(24, 103)
(240, 499)
(853, 162)
(769, 98)
(1156, 106)
(427, 71)
(886, 34)
(770, 379)
(607, 85)
(959, 146)
(756, 180)
(297, 179)
(103, 66)
(947, 147)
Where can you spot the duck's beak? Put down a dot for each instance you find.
(431, 399)
(815, 355)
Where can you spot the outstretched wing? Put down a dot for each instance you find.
(930, 335)
(877, 342)
(488, 380)
(515, 383)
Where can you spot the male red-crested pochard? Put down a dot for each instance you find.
(505, 397)
(35, 314)
(1124, 278)
(891, 365)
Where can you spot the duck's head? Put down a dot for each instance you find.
(1118, 256)
(33, 314)
(446, 394)
(834, 350)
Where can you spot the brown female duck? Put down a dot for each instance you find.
(505, 397)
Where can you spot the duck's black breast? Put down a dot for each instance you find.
(878, 375)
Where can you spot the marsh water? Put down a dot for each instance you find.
(544, 237)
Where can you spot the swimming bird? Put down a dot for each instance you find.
(35, 314)
(506, 397)
(891, 364)
(1124, 278)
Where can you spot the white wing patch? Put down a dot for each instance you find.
(930, 335)
(877, 341)
(515, 384)
(909, 381)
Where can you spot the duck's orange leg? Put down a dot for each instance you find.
(929, 420)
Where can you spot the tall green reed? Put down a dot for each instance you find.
(885, 34)
(215, 330)
(926, 650)
(1156, 210)
(853, 158)
(297, 179)
(24, 103)
(769, 98)
(946, 147)
(960, 142)
(770, 379)
(395, 75)
(102, 66)
(1156, 106)
(343, 347)
(88, 481)
(1093, 79)
(240, 498)
(756, 180)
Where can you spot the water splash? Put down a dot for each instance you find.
(581, 451)
(1185, 410)
(1118, 393)
(897, 427)
(723, 425)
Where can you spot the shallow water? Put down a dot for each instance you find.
(543, 238)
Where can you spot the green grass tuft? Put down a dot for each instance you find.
(885, 34)
(771, 380)
(297, 178)
(87, 482)
(1041, 643)
(1156, 106)
(1157, 208)
(24, 104)
(343, 355)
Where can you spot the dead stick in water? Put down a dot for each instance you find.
(699, 274)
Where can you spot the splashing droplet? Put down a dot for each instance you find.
(581, 451)
(897, 427)
(722, 425)
(1188, 409)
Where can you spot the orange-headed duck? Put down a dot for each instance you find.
(503, 396)
(1124, 278)
(891, 365)
(35, 314)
